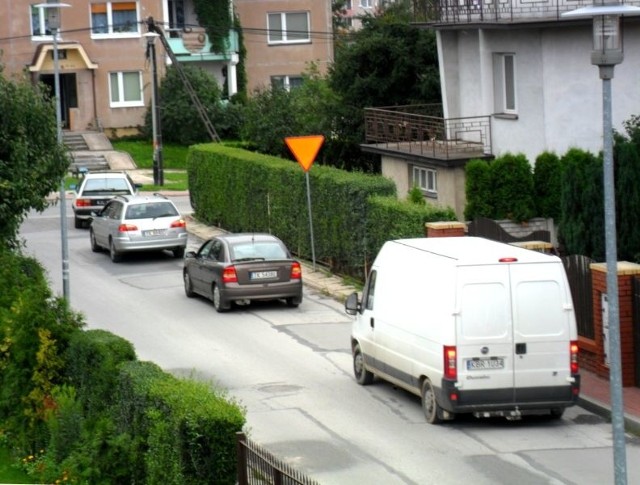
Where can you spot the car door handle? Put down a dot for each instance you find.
(372, 323)
(521, 349)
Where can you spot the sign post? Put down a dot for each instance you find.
(305, 149)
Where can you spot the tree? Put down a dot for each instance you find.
(387, 62)
(32, 162)
(547, 179)
(179, 119)
(512, 188)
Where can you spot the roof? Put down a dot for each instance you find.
(475, 250)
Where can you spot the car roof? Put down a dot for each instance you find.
(140, 199)
(105, 175)
(247, 236)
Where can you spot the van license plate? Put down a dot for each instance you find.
(485, 364)
(263, 275)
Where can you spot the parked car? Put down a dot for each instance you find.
(243, 267)
(96, 189)
(138, 223)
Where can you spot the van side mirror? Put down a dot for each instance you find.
(352, 305)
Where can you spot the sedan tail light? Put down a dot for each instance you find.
(229, 275)
(127, 227)
(179, 223)
(83, 203)
(296, 271)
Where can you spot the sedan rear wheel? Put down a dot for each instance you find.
(94, 244)
(188, 286)
(218, 303)
(294, 302)
(116, 256)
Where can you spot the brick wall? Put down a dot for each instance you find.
(592, 352)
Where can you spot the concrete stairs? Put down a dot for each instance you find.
(81, 155)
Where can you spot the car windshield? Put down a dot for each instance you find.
(106, 186)
(151, 210)
(259, 250)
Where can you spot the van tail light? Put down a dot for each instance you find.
(296, 271)
(573, 346)
(229, 275)
(450, 362)
(127, 227)
(83, 203)
(178, 223)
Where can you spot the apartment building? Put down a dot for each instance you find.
(281, 38)
(105, 73)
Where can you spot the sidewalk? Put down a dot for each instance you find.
(595, 391)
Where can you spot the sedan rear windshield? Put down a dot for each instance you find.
(261, 250)
(151, 210)
(106, 186)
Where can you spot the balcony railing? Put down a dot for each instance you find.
(421, 130)
(492, 11)
(194, 43)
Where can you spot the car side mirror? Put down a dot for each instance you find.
(190, 254)
(352, 305)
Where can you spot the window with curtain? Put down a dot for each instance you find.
(39, 22)
(288, 27)
(426, 179)
(125, 89)
(114, 18)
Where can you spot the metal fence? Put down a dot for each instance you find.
(421, 129)
(578, 272)
(257, 466)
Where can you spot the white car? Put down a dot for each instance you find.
(138, 223)
(98, 188)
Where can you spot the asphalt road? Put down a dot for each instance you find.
(291, 370)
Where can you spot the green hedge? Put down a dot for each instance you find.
(243, 191)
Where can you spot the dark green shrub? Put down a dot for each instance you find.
(628, 200)
(512, 188)
(581, 225)
(35, 328)
(478, 190)
(94, 357)
(547, 182)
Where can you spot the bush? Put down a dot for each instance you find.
(512, 188)
(547, 182)
(478, 190)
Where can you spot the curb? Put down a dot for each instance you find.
(631, 423)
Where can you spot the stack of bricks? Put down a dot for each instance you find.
(445, 229)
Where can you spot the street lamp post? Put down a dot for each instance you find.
(53, 22)
(158, 169)
(607, 52)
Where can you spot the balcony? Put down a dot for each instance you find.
(421, 131)
(193, 44)
(448, 12)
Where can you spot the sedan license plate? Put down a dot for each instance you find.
(263, 275)
(154, 232)
(485, 364)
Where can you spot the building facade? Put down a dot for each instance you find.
(282, 37)
(105, 73)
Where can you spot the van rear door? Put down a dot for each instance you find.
(543, 318)
(484, 328)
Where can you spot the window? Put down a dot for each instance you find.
(348, 5)
(504, 69)
(114, 18)
(125, 89)
(426, 179)
(366, 3)
(288, 27)
(369, 291)
(286, 82)
(39, 22)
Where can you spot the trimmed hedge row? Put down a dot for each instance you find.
(243, 191)
(76, 406)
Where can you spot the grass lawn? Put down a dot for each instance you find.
(8, 473)
(173, 156)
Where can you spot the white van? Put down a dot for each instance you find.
(470, 325)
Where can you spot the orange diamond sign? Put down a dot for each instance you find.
(305, 148)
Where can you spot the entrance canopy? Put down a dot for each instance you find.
(71, 56)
